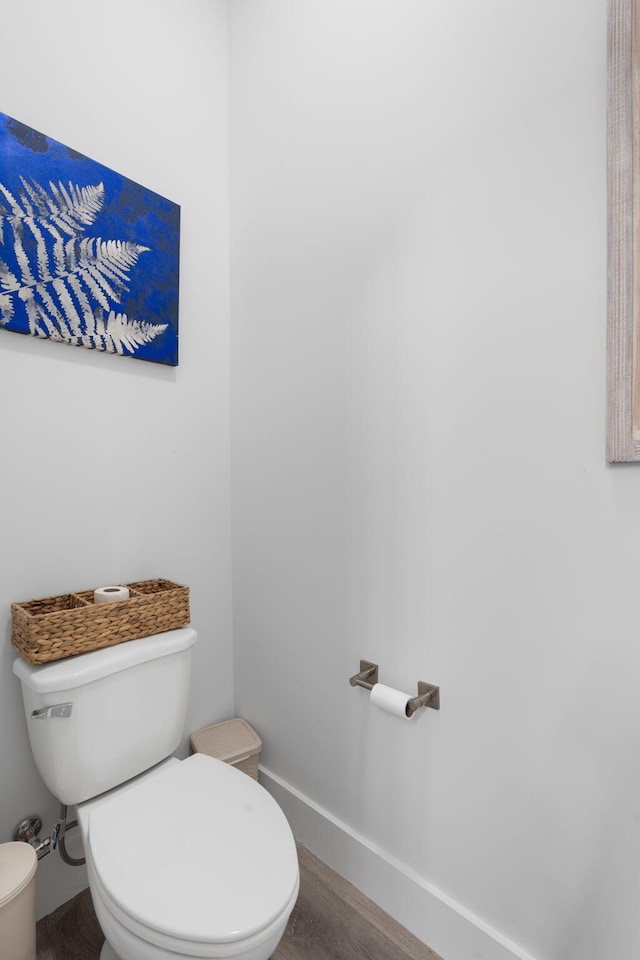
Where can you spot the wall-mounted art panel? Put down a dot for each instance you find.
(87, 256)
(623, 326)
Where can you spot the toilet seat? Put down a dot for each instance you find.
(196, 856)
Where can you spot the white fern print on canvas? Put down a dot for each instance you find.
(87, 256)
(65, 282)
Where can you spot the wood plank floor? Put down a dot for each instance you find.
(331, 920)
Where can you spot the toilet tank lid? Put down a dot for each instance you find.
(84, 668)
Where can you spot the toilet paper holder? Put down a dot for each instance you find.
(428, 693)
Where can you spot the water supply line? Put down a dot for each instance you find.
(61, 844)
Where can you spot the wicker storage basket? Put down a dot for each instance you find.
(57, 627)
(234, 741)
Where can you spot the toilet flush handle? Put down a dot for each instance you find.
(57, 710)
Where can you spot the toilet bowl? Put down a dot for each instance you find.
(186, 859)
(131, 947)
(191, 860)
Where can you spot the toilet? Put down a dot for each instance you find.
(186, 859)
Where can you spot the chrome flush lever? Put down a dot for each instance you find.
(57, 710)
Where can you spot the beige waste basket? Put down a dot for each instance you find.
(234, 741)
(18, 864)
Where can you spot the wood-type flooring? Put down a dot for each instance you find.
(331, 920)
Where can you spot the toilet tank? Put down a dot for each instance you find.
(98, 719)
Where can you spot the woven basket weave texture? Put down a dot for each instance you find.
(63, 626)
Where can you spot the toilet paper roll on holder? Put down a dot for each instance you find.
(428, 693)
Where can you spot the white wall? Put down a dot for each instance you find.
(142, 87)
(418, 214)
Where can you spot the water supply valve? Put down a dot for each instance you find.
(28, 830)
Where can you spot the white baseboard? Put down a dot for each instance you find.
(446, 926)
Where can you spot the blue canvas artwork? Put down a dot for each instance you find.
(87, 256)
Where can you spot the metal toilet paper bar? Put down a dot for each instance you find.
(428, 693)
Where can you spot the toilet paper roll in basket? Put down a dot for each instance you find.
(391, 700)
(109, 594)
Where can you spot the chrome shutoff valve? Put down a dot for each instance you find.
(28, 830)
